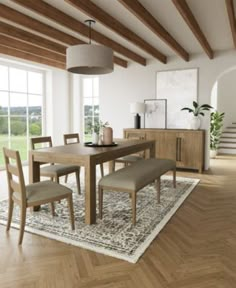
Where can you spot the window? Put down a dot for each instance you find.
(21, 101)
(90, 90)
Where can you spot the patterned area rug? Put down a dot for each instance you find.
(114, 235)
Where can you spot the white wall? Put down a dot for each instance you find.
(58, 98)
(227, 97)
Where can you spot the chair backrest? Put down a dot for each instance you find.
(71, 138)
(135, 135)
(40, 142)
(15, 176)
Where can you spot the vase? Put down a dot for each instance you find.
(95, 138)
(107, 135)
(195, 123)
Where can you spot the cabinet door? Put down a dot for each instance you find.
(168, 145)
(190, 150)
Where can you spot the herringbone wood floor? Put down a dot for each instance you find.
(196, 249)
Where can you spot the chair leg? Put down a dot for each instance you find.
(134, 208)
(100, 201)
(66, 178)
(77, 175)
(158, 189)
(53, 209)
(71, 210)
(113, 166)
(174, 178)
(101, 170)
(10, 210)
(57, 179)
(22, 223)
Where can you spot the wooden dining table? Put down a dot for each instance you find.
(88, 157)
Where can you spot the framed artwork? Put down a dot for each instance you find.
(156, 113)
(180, 88)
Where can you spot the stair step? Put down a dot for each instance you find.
(227, 151)
(227, 142)
(226, 137)
(228, 132)
(230, 127)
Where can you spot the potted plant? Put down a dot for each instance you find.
(216, 125)
(96, 130)
(197, 110)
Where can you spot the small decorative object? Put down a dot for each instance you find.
(216, 125)
(100, 141)
(136, 108)
(197, 110)
(107, 135)
(95, 138)
(96, 129)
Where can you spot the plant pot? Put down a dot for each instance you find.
(213, 154)
(195, 123)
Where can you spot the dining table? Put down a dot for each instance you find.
(87, 156)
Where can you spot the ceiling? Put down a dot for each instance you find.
(137, 30)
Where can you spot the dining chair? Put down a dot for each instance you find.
(35, 194)
(54, 171)
(129, 159)
(74, 138)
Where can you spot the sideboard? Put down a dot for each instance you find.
(184, 146)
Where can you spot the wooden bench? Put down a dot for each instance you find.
(133, 178)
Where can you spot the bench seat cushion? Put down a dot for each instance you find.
(137, 175)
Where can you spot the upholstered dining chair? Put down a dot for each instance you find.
(129, 159)
(54, 171)
(35, 194)
(74, 138)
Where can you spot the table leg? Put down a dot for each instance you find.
(90, 192)
(152, 151)
(34, 170)
(34, 174)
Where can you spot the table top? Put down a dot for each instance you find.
(78, 152)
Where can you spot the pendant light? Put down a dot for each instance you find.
(89, 59)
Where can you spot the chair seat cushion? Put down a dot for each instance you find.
(57, 169)
(44, 190)
(137, 175)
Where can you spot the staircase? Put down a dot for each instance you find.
(228, 140)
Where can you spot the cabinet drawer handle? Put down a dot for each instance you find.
(178, 149)
(180, 142)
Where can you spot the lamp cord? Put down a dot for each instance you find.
(89, 23)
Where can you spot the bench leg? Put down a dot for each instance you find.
(100, 200)
(174, 178)
(134, 207)
(158, 189)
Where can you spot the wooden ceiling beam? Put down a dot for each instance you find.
(230, 10)
(110, 22)
(67, 21)
(35, 25)
(190, 20)
(32, 49)
(30, 57)
(10, 40)
(137, 9)
(26, 36)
